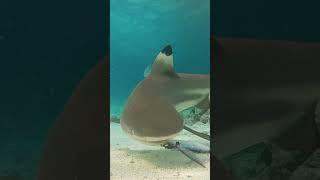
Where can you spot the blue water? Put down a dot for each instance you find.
(139, 29)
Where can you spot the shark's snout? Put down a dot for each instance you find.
(167, 50)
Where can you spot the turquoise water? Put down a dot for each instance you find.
(139, 29)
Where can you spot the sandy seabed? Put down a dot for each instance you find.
(131, 160)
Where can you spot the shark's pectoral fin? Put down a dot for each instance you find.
(202, 135)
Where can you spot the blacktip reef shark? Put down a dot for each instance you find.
(151, 114)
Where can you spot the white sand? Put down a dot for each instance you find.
(131, 160)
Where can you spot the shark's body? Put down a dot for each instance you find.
(151, 114)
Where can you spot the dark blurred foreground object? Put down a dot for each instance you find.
(310, 169)
(263, 83)
(76, 147)
(218, 171)
(276, 159)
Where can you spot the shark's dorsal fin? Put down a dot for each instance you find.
(163, 64)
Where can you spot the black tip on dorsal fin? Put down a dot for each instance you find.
(167, 50)
(163, 64)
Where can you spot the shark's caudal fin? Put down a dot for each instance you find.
(163, 64)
